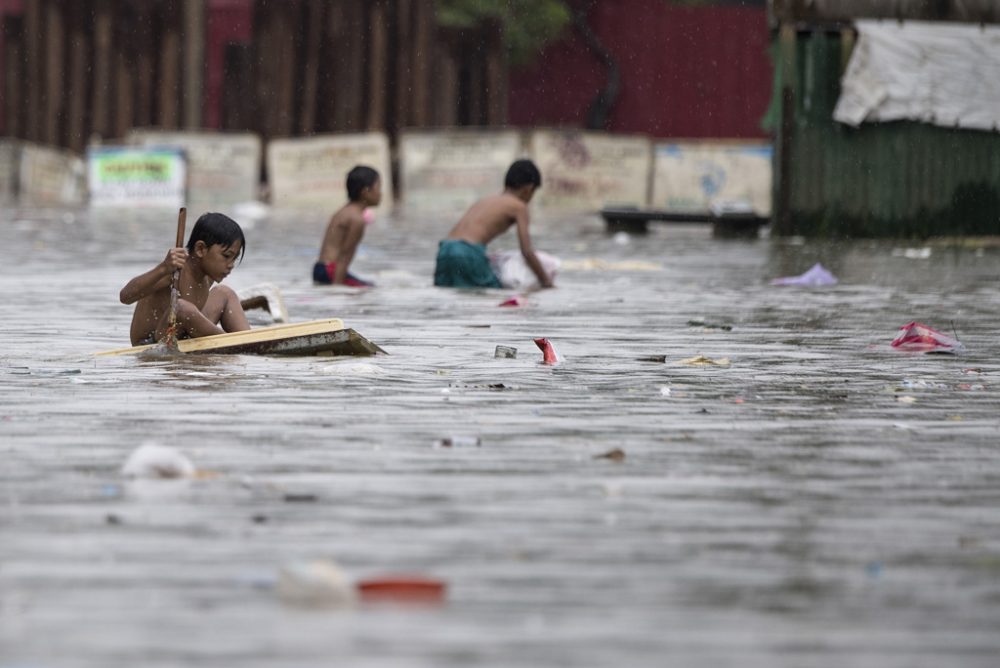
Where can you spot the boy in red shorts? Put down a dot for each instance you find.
(345, 229)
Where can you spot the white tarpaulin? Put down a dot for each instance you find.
(941, 73)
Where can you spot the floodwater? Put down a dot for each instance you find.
(822, 500)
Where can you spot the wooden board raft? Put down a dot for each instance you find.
(316, 337)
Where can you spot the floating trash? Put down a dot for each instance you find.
(157, 461)
(314, 584)
(816, 276)
(919, 338)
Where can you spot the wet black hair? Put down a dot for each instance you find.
(522, 173)
(216, 228)
(358, 179)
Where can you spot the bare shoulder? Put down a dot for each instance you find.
(345, 216)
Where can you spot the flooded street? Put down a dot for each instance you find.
(822, 500)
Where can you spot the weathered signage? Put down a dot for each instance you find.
(699, 176)
(126, 176)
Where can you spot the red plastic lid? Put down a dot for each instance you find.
(405, 588)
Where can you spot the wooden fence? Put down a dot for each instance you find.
(75, 69)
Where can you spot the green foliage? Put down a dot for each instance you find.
(528, 24)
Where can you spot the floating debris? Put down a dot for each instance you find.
(701, 360)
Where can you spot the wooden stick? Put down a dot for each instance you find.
(170, 339)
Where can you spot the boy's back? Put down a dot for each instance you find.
(462, 261)
(488, 218)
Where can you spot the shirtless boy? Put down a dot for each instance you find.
(216, 242)
(345, 229)
(461, 259)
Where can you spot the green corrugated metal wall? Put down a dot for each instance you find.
(898, 179)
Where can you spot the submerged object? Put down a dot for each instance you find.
(402, 588)
(316, 337)
(549, 355)
(816, 276)
(919, 338)
(150, 460)
(314, 584)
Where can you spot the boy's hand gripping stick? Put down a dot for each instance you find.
(170, 340)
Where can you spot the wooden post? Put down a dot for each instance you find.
(238, 102)
(194, 61)
(123, 110)
(33, 69)
(145, 80)
(422, 56)
(783, 222)
(377, 65)
(53, 86)
(496, 77)
(315, 19)
(284, 41)
(445, 91)
(350, 92)
(77, 108)
(402, 66)
(13, 41)
(169, 85)
(102, 90)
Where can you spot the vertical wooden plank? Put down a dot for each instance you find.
(168, 95)
(102, 90)
(13, 99)
(123, 99)
(34, 72)
(314, 14)
(496, 72)
(445, 90)
(194, 62)
(783, 221)
(52, 83)
(285, 32)
(400, 55)
(378, 64)
(423, 57)
(76, 111)
(145, 78)
(352, 66)
(329, 89)
(238, 101)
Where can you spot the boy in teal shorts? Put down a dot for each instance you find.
(461, 259)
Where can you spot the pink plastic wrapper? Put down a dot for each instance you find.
(919, 338)
(516, 300)
(549, 355)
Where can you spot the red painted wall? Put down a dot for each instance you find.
(227, 21)
(685, 72)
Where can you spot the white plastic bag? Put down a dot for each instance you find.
(515, 274)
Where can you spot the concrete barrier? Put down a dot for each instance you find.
(9, 159)
(50, 177)
(223, 169)
(311, 173)
(695, 175)
(586, 171)
(448, 170)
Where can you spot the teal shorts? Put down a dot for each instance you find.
(463, 265)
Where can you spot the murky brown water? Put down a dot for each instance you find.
(821, 501)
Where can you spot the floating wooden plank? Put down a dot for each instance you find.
(316, 337)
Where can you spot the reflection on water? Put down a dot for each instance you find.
(821, 501)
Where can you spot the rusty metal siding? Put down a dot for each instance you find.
(882, 179)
